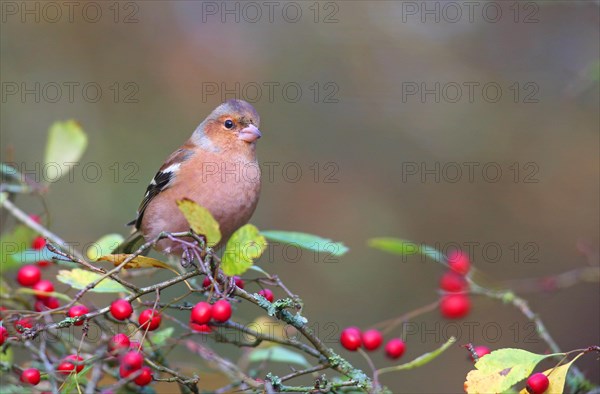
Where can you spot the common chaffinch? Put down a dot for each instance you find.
(216, 168)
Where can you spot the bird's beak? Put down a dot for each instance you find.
(250, 133)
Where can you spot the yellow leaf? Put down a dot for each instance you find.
(200, 220)
(557, 377)
(137, 262)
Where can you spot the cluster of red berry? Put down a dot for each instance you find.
(129, 352)
(149, 319)
(132, 362)
(31, 276)
(352, 338)
(455, 304)
(131, 359)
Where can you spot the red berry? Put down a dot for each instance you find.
(131, 362)
(458, 261)
(31, 376)
(201, 313)
(76, 360)
(45, 286)
(76, 311)
(149, 319)
(455, 306)
(206, 282)
(51, 302)
(350, 338)
(372, 339)
(221, 311)
(268, 294)
(35, 218)
(29, 275)
(38, 243)
(118, 342)
(200, 327)
(70, 363)
(65, 367)
(144, 378)
(43, 263)
(121, 309)
(239, 282)
(395, 348)
(3, 334)
(481, 351)
(537, 383)
(453, 282)
(22, 324)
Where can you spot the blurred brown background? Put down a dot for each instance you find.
(355, 121)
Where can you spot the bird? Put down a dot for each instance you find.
(216, 168)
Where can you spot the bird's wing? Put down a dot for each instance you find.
(162, 180)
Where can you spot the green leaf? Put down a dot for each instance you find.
(79, 278)
(74, 380)
(421, 360)
(160, 337)
(7, 356)
(245, 245)
(12, 243)
(307, 241)
(66, 143)
(501, 369)
(404, 247)
(3, 196)
(104, 246)
(201, 221)
(277, 354)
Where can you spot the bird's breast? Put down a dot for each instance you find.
(229, 189)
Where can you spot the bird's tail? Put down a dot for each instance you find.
(130, 244)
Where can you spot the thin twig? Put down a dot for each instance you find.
(32, 224)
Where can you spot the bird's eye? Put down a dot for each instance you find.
(228, 124)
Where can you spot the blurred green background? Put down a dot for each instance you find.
(355, 121)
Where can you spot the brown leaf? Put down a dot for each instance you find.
(137, 262)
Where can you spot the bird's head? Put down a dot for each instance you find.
(232, 125)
